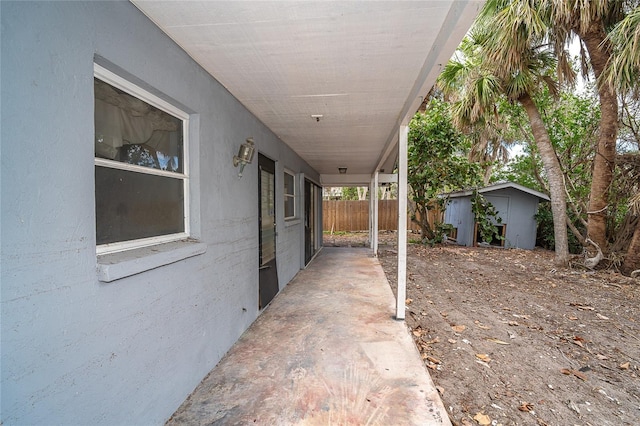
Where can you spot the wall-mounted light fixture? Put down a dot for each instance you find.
(245, 155)
(342, 170)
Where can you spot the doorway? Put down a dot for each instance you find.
(268, 272)
(312, 228)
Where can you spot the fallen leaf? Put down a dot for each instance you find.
(483, 357)
(513, 323)
(579, 375)
(444, 314)
(576, 373)
(432, 366)
(578, 341)
(482, 419)
(582, 307)
(572, 318)
(434, 360)
(452, 341)
(573, 406)
(526, 407)
(459, 328)
(499, 342)
(484, 327)
(465, 422)
(624, 366)
(440, 390)
(601, 357)
(408, 301)
(602, 317)
(432, 341)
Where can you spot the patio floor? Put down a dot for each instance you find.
(326, 351)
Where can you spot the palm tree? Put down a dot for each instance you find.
(623, 70)
(611, 57)
(505, 56)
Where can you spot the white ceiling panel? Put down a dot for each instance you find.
(362, 65)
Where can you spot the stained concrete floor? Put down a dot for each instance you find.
(327, 351)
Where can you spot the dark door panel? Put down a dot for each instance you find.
(268, 272)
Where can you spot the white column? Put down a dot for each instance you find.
(371, 214)
(373, 195)
(402, 222)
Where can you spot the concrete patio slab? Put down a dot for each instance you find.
(326, 351)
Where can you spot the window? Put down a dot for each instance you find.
(289, 195)
(141, 178)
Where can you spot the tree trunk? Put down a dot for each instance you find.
(604, 162)
(554, 174)
(362, 192)
(632, 258)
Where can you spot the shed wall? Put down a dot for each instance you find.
(516, 209)
(76, 350)
(521, 228)
(458, 213)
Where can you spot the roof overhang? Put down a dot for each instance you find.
(499, 186)
(333, 80)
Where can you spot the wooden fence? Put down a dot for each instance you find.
(349, 216)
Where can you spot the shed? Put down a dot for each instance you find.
(516, 205)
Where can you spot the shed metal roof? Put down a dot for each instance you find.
(498, 186)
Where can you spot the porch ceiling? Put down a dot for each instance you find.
(364, 66)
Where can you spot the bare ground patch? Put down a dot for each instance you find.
(510, 340)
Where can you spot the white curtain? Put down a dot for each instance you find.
(121, 119)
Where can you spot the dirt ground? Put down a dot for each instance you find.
(511, 340)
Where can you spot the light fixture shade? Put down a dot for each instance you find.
(342, 170)
(245, 155)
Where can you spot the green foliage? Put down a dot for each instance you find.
(437, 162)
(486, 216)
(544, 236)
(349, 193)
(544, 219)
(572, 123)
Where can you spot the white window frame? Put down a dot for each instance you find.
(115, 80)
(293, 196)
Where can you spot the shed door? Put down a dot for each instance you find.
(268, 280)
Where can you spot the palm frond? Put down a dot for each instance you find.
(623, 69)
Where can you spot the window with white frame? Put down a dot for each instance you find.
(141, 179)
(289, 195)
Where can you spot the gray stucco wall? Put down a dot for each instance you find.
(76, 350)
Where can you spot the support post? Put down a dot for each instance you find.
(373, 195)
(371, 215)
(401, 294)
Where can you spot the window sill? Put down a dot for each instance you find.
(114, 266)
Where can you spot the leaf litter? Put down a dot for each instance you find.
(532, 331)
